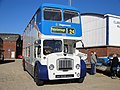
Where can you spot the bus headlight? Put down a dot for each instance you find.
(78, 74)
(51, 67)
(78, 66)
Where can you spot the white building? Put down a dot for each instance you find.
(101, 33)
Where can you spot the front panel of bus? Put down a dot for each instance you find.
(61, 22)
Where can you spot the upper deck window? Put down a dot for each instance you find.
(71, 16)
(52, 14)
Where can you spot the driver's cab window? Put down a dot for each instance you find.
(65, 48)
(69, 46)
(52, 46)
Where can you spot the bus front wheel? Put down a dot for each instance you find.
(36, 77)
(81, 80)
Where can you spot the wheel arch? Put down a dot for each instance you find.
(42, 70)
(83, 68)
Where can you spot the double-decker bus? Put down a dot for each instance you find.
(49, 44)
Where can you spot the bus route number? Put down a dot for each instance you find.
(71, 31)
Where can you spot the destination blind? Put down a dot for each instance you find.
(61, 30)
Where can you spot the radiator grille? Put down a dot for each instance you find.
(65, 64)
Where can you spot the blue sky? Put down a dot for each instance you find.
(15, 14)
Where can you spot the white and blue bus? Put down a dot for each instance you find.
(49, 44)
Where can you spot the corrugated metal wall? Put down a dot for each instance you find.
(94, 30)
(100, 31)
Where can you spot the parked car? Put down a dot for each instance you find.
(20, 56)
(104, 63)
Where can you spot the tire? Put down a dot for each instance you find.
(80, 80)
(36, 77)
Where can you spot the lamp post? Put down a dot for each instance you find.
(70, 2)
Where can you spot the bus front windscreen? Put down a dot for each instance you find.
(52, 46)
(71, 16)
(52, 14)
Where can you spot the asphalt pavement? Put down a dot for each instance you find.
(12, 77)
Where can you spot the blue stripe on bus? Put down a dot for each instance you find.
(83, 69)
(43, 71)
(46, 30)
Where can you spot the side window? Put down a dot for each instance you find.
(37, 49)
(28, 52)
(39, 52)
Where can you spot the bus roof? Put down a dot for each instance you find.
(58, 6)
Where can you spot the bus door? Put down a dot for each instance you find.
(37, 50)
